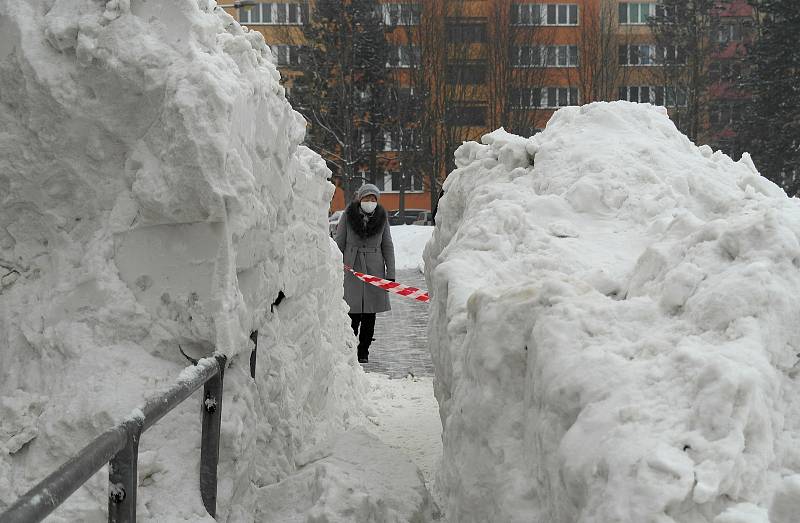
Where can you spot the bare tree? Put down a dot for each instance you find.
(518, 69)
(601, 41)
(341, 87)
(683, 33)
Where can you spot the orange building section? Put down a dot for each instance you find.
(389, 200)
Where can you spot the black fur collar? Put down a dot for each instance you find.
(371, 227)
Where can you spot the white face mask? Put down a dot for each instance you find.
(369, 207)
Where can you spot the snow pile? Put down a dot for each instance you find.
(409, 242)
(153, 194)
(614, 328)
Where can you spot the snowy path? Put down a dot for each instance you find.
(405, 413)
(401, 343)
(406, 417)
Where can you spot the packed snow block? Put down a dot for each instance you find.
(346, 481)
(613, 325)
(153, 194)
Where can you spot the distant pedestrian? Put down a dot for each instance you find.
(365, 239)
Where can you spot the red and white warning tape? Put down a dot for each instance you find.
(391, 286)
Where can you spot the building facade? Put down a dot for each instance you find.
(476, 65)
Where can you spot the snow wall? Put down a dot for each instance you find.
(614, 327)
(153, 194)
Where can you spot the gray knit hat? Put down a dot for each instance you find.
(366, 190)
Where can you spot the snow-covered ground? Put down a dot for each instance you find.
(404, 414)
(614, 328)
(409, 242)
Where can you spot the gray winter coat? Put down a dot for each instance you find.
(373, 254)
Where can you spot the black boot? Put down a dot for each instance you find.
(365, 332)
(363, 354)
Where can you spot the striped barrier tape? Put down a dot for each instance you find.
(391, 286)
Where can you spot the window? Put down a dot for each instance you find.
(636, 13)
(527, 97)
(404, 97)
(559, 96)
(394, 179)
(640, 94)
(666, 96)
(274, 14)
(526, 14)
(730, 32)
(401, 14)
(364, 139)
(666, 13)
(649, 54)
(378, 180)
(403, 56)
(545, 56)
(544, 14)
(726, 113)
(472, 115)
(465, 31)
(466, 73)
(527, 131)
(637, 54)
(286, 54)
(725, 71)
(400, 140)
(673, 96)
(670, 55)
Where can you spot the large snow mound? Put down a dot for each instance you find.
(153, 193)
(614, 327)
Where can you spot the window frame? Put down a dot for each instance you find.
(470, 31)
(400, 56)
(545, 56)
(279, 13)
(627, 6)
(529, 14)
(405, 14)
(656, 94)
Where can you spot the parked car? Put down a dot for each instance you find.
(411, 216)
(333, 221)
(424, 218)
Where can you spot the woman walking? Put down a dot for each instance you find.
(364, 237)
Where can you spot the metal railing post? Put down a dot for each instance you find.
(209, 445)
(254, 339)
(123, 476)
(119, 447)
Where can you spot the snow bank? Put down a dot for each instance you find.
(409, 242)
(153, 194)
(614, 327)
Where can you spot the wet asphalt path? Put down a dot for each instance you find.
(401, 335)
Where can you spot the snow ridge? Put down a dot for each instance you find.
(614, 327)
(153, 194)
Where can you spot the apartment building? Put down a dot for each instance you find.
(477, 65)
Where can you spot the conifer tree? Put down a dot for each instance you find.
(771, 130)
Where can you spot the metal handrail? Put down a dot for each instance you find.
(119, 446)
